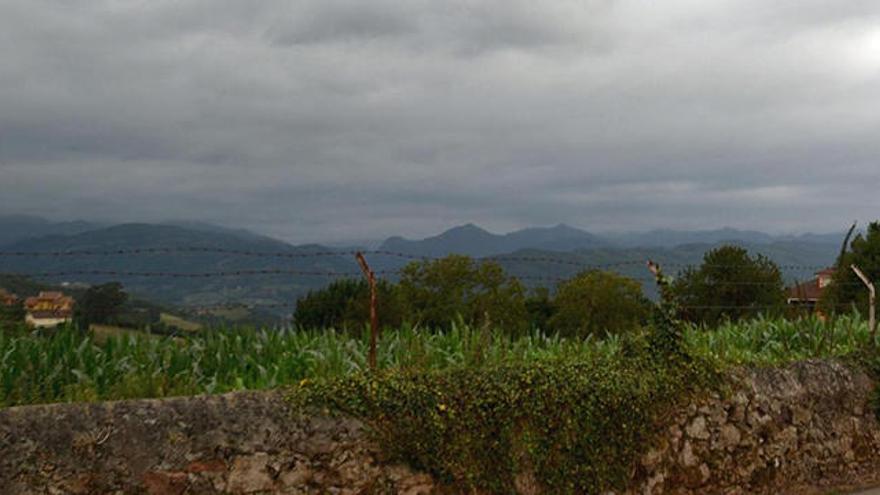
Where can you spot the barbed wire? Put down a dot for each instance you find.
(207, 249)
(238, 305)
(568, 261)
(241, 305)
(375, 252)
(228, 273)
(331, 274)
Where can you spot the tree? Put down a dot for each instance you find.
(596, 302)
(436, 292)
(100, 304)
(729, 284)
(845, 287)
(12, 313)
(345, 304)
(539, 306)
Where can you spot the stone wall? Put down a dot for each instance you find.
(243, 442)
(804, 428)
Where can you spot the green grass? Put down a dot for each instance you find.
(69, 365)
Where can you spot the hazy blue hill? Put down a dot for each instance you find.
(217, 229)
(14, 228)
(260, 289)
(798, 260)
(474, 241)
(672, 238)
(558, 238)
(538, 255)
(541, 255)
(466, 239)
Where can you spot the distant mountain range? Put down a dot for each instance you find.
(19, 227)
(474, 241)
(14, 228)
(524, 253)
(673, 238)
(250, 289)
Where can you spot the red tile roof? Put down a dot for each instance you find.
(806, 291)
(51, 303)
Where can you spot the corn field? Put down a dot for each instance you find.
(68, 364)
(71, 365)
(766, 341)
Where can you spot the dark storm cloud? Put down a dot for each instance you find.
(332, 119)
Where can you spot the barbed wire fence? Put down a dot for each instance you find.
(565, 259)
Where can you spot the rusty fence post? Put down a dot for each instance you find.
(872, 296)
(374, 315)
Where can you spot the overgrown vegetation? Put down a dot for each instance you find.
(572, 425)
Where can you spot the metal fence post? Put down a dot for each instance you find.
(374, 315)
(872, 322)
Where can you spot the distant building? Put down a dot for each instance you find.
(48, 309)
(808, 294)
(7, 298)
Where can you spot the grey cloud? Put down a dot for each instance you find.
(320, 119)
(460, 26)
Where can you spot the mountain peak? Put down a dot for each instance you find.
(468, 228)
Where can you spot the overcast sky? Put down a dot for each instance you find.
(318, 120)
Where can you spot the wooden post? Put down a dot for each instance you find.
(374, 315)
(872, 322)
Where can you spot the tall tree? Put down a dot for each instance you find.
(436, 292)
(597, 302)
(100, 304)
(846, 288)
(12, 313)
(345, 304)
(730, 284)
(540, 308)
